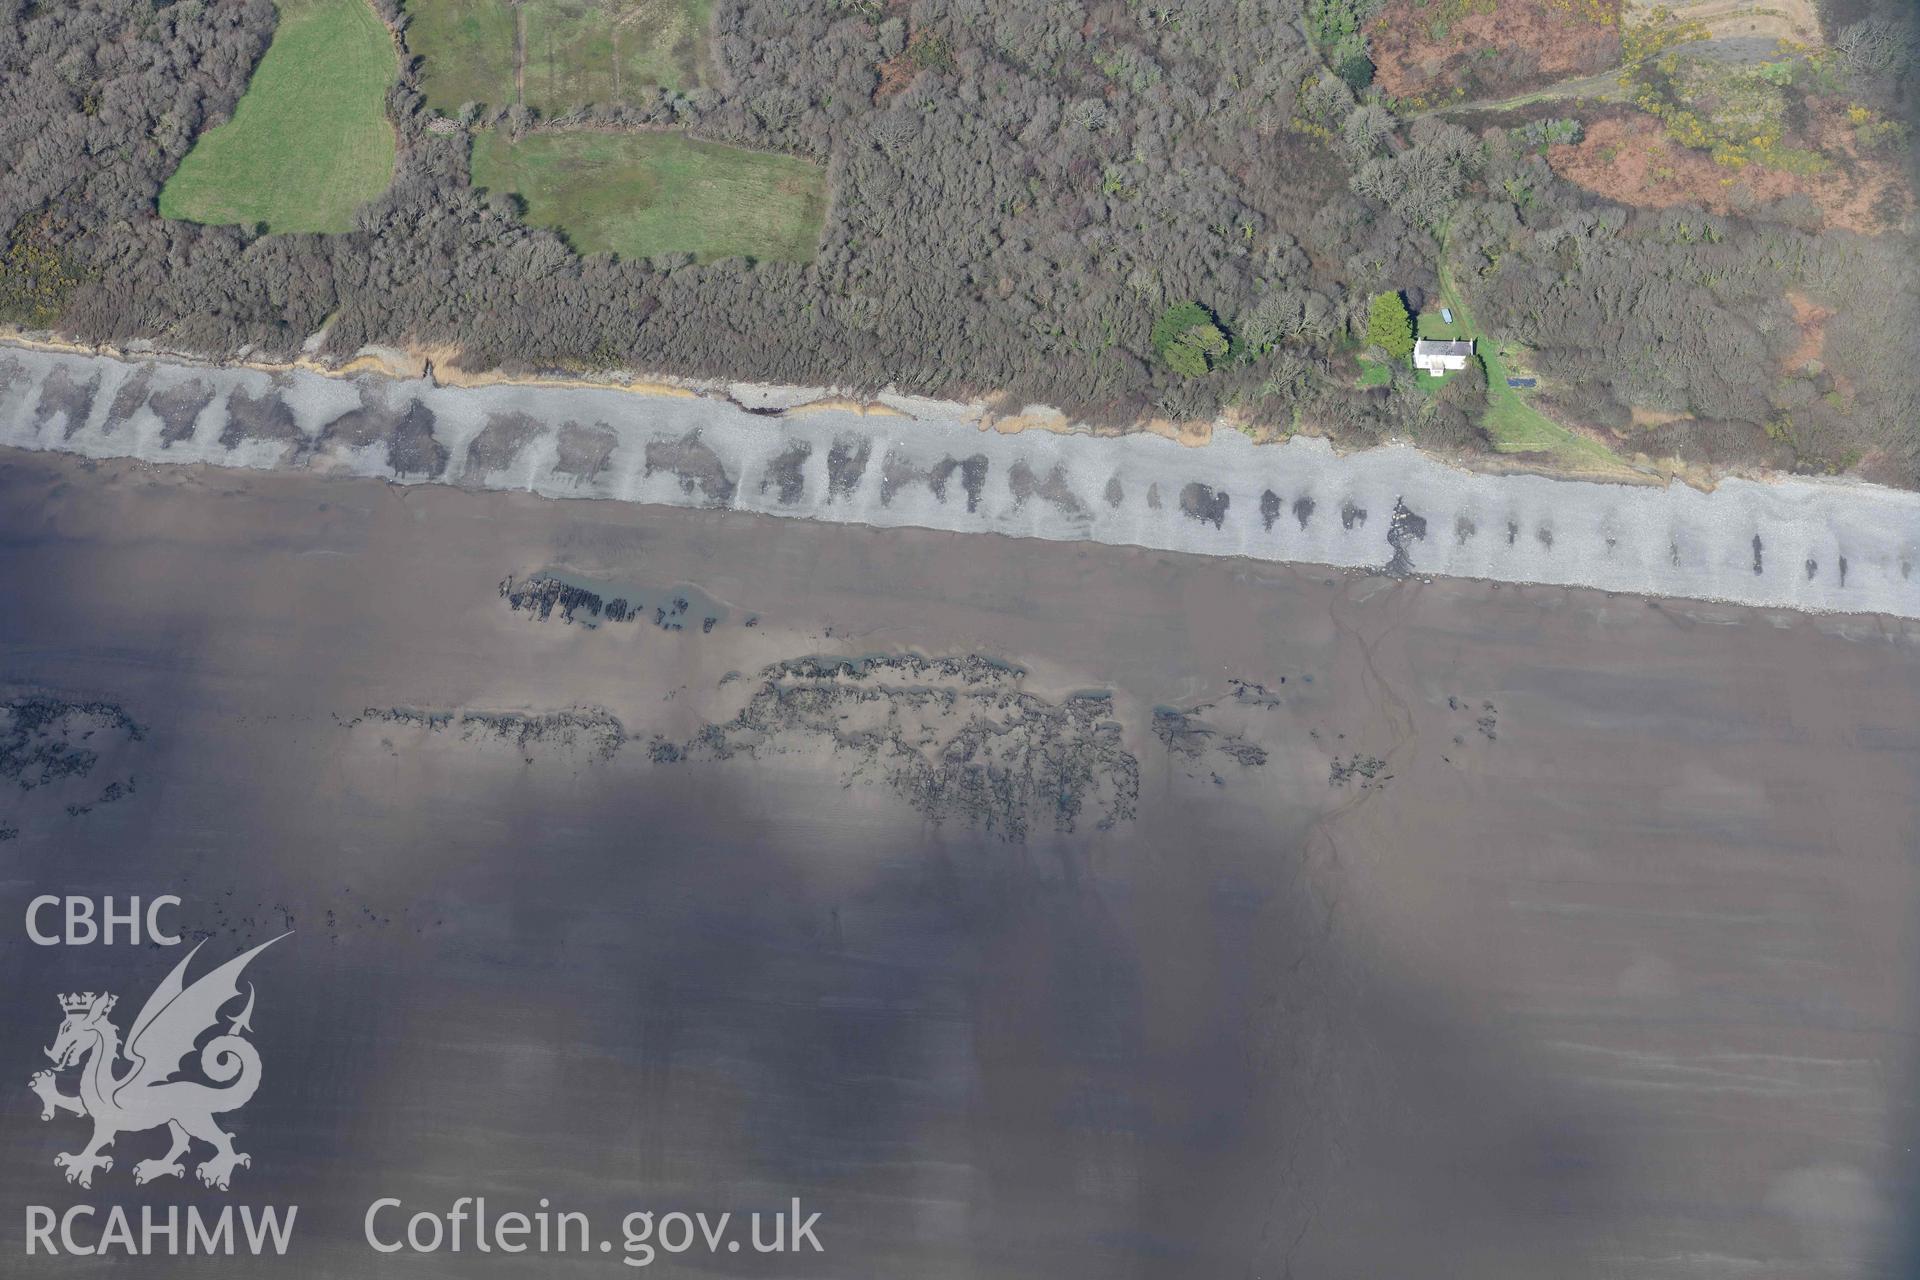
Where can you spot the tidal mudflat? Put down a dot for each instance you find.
(1800, 543)
(1029, 908)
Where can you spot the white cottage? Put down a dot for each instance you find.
(1438, 357)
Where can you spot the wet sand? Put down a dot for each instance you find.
(1308, 925)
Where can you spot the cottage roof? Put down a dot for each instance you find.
(1439, 347)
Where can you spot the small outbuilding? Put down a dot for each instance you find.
(1437, 357)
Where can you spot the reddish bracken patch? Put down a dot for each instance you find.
(1812, 319)
(896, 73)
(1428, 49)
(1631, 160)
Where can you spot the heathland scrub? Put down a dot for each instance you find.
(310, 141)
(642, 194)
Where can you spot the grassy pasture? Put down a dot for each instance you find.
(468, 51)
(310, 141)
(642, 194)
(556, 55)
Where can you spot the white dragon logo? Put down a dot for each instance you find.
(147, 1096)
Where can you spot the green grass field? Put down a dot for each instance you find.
(641, 194)
(467, 47)
(310, 141)
(1428, 324)
(556, 55)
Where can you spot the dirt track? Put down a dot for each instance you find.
(1795, 20)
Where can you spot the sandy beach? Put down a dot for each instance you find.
(1029, 907)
